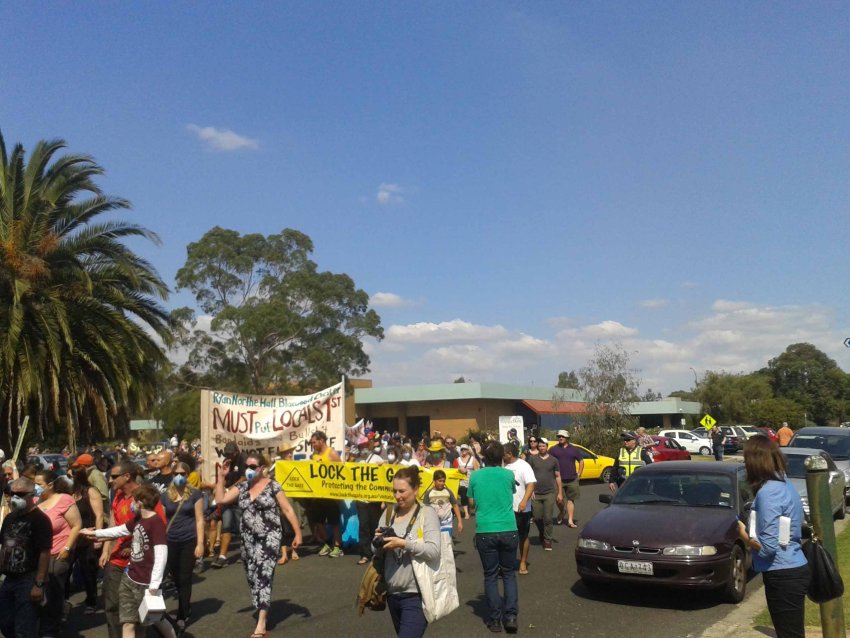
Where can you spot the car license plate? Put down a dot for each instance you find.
(635, 567)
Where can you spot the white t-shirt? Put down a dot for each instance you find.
(523, 475)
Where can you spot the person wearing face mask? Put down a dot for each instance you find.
(65, 521)
(115, 556)
(261, 500)
(407, 456)
(147, 559)
(368, 512)
(25, 543)
(184, 511)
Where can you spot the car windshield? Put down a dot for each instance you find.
(837, 446)
(695, 490)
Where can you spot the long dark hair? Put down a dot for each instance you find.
(764, 462)
(81, 482)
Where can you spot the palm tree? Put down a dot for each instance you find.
(80, 313)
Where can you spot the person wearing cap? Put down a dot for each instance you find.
(630, 457)
(466, 465)
(571, 467)
(96, 478)
(436, 455)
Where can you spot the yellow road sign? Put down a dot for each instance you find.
(708, 421)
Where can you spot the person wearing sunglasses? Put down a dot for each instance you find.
(184, 510)
(26, 539)
(261, 500)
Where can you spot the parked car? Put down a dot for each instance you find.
(691, 442)
(596, 466)
(749, 430)
(795, 458)
(55, 462)
(836, 441)
(668, 449)
(733, 440)
(671, 524)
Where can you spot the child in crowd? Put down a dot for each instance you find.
(148, 556)
(444, 502)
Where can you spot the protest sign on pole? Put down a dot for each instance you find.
(508, 423)
(263, 423)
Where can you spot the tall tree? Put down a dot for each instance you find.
(277, 323)
(79, 311)
(568, 380)
(728, 397)
(810, 378)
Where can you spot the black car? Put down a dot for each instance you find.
(733, 441)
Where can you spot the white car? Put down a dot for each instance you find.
(691, 442)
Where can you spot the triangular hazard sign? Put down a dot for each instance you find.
(296, 482)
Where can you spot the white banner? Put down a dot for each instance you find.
(508, 423)
(263, 423)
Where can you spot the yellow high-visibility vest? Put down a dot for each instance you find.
(630, 460)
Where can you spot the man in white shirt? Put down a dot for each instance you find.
(525, 482)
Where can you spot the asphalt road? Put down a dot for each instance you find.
(315, 597)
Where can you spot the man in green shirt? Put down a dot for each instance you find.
(491, 493)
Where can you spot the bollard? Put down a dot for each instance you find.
(820, 508)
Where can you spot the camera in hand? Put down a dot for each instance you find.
(383, 534)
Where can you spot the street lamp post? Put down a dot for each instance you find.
(696, 381)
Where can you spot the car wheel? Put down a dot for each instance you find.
(605, 477)
(735, 589)
(842, 512)
(705, 451)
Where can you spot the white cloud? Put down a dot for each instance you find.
(690, 284)
(652, 304)
(389, 300)
(220, 139)
(452, 331)
(604, 330)
(724, 305)
(389, 194)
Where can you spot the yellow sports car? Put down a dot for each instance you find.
(596, 466)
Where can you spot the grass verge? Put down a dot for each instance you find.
(813, 609)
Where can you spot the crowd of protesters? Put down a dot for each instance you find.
(141, 520)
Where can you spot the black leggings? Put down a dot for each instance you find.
(85, 559)
(181, 562)
(785, 591)
(369, 519)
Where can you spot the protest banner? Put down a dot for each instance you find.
(263, 423)
(358, 481)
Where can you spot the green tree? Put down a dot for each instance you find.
(810, 378)
(568, 380)
(79, 311)
(728, 397)
(772, 412)
(610, 386)
(277, 323)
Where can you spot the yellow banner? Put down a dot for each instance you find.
(357, 481)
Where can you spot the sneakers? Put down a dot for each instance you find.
(181, 626)
(547, 546)
(66, 611)
(494, 626)
(219, 562)
(336, 552)
(326, 549)
(90, 610)
(511, 626)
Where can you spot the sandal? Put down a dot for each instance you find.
(294, 555)
(571, 525)
(258, 634)
(363, 560)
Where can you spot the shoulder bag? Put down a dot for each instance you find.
(826, 583)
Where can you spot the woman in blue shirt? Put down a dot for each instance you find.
(784, 569)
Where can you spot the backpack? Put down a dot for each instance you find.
(373, 591)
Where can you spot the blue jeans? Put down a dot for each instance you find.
(18, 615)
(408, 617)
(718, 452)
(497, 551)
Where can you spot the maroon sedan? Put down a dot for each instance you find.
(671, 524)
(668, 449)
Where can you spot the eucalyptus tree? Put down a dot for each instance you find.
(81, 319)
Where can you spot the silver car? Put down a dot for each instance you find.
(836, 441)
(795, 457)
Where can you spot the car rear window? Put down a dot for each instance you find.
(837, 446)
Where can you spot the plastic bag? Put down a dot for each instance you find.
(826, 582)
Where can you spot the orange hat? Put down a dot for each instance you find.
(83, 460)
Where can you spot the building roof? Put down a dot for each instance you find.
(670, 405)
(555, 407)
(458, 391)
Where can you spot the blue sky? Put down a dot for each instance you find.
(513, 183)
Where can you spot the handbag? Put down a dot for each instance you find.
(826, 583)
